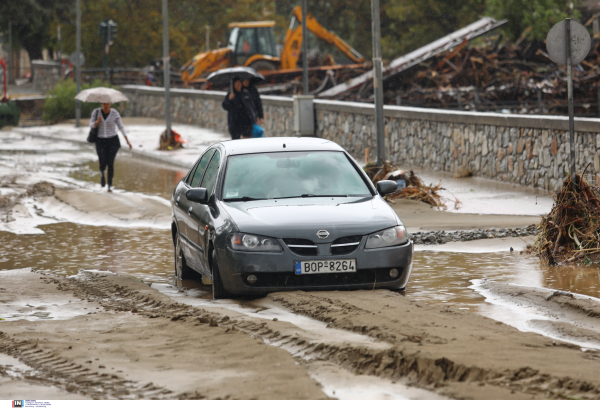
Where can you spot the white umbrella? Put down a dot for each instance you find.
(101, 95)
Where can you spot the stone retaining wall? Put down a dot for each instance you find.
(46, 75)
(523, 149)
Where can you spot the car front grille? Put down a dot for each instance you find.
(289, 279)
(303, 247)
(345, 245)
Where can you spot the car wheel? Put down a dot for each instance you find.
(182, 271)
(217, 285)
(262, 65)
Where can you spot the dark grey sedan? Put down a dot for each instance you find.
(284, 213)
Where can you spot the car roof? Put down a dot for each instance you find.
(276, 144)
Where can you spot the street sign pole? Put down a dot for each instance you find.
(78, 66)
(304, 50)
(570, 96)
(106, 40)
(166, 67)
(11, 73)
(568, 43)
(378, 83)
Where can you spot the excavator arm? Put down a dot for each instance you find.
(205, 63)
(293, 40)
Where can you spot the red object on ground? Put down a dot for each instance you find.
(178, 137)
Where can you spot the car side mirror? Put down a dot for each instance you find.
(385, 187)
(197, 195)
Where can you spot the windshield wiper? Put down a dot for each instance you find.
(311, 196)
(323, 195)
(244, 198)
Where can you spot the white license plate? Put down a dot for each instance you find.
(325, 266)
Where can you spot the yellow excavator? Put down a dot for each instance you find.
(252, 44)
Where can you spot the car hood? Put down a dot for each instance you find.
(303, 217)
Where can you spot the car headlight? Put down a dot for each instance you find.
(386, 238)
(253, 243)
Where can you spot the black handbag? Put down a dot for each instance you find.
(93, 135)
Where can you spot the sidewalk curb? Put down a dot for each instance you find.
(150, 156)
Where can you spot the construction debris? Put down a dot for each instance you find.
(448, 42)
(570, 233)
(493, 74)
(410, 186)
(171, 143)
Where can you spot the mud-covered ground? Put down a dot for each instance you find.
(114, 336)
(89, 307)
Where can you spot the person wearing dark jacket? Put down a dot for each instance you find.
(260, 118)
(241, 115)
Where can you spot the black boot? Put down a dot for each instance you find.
(102, 180)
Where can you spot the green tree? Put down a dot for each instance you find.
(540, 15)
(409, 24)
(31, 20)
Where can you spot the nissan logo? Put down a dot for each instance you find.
(322, 234)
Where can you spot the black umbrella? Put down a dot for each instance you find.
(224, 76)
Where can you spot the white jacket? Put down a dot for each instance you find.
(107, 128)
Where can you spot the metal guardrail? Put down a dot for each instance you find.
(124, 76)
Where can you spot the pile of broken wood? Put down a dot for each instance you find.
(413, 187)
(494, 74)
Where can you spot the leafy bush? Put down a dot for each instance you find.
(9, 114)
(60, 102)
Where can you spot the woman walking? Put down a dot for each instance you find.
(107, 144)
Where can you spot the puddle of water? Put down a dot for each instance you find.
(134, 174)
(65, 248)
(525, 317)
(445, 277)
(343, 385)
(264, 309)
(15, 368)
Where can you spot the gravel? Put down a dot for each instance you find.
(442, 237)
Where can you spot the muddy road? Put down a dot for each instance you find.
(90, 307)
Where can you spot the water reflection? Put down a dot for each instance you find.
(137, 175)
(65, 248)
(444, 277)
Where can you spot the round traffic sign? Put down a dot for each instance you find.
(76, 61)
(580, 43)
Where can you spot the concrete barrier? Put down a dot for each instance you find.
(529, 150)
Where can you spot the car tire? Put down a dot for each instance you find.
(218, 290)
(182, 271)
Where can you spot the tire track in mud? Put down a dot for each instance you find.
(439, 374)
(424, 371)
(48, 368)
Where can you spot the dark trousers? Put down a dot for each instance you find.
(240, 131)
(107, 149)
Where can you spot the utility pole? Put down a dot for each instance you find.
(304, 50)
(207, 38)
(166, 67)
(78, 66)
(11, 66)
(570, 96)
(378, 83)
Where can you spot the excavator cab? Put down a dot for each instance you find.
(252, 39)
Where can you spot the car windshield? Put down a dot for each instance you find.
(292, 174)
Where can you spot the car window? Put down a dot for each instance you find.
(292, 174)
(208, 182)
(246, 44)
(200, 169)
